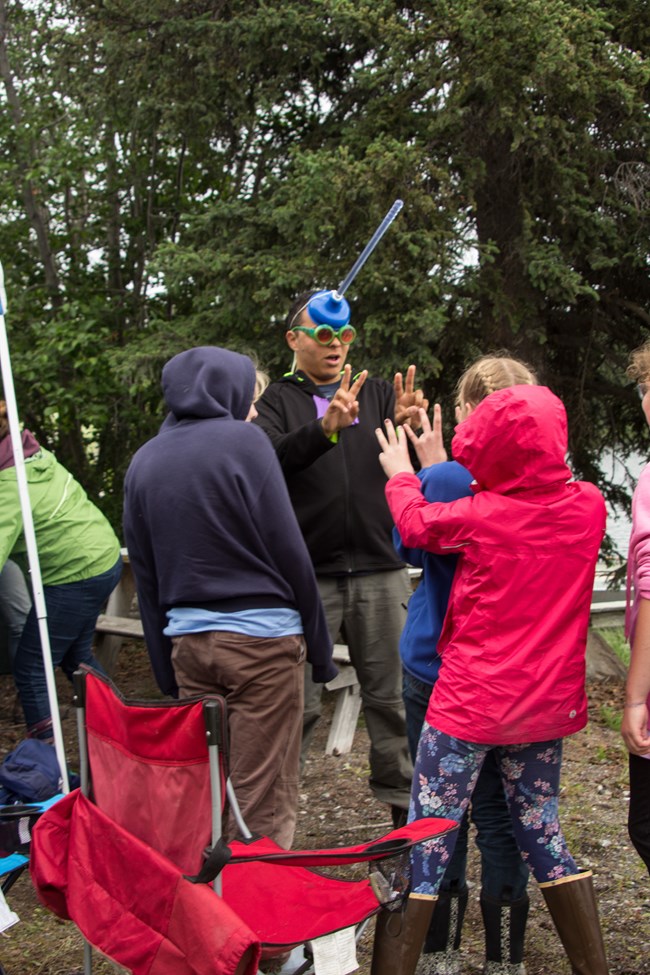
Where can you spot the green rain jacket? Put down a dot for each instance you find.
(74, 539)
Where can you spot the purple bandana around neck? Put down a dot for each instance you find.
(321, 408)
(31, 446)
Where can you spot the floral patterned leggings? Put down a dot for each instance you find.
(446, 770)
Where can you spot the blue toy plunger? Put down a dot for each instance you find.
(330, 307)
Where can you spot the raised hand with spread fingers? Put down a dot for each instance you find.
(394, 456)
(429, 446)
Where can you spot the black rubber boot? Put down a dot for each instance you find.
(442, 944)
(504, 921)
(399, 816)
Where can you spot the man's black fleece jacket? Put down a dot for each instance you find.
(337, 489)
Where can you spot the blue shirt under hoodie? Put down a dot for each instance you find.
(207, 518)
(428, 604)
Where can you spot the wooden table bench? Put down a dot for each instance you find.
(121, 622)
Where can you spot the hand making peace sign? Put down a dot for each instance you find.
(408, 399)
(344, 407)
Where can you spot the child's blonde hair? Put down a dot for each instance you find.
(489, 373)
(262, 380)
(639, 367)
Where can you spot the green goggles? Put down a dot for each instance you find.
(325, 334)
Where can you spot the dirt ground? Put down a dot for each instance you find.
(337, 807)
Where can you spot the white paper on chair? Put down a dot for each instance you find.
(7, 916)
(335, 954)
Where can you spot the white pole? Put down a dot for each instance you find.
(30, 536)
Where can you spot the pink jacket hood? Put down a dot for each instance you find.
(531, 420)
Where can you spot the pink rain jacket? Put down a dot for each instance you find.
(638, 559)
(514, 637)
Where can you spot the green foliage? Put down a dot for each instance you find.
(175, 172)
(615, 637)
(610, 717)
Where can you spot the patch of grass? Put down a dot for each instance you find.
(615, 637)
(610, 717)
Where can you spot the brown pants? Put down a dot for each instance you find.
(261, 679)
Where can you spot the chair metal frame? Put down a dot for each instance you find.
(251, 864)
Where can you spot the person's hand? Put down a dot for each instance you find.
(408, 400)
(394, 456)
(344, 406)
(634, 729)
(428, 446)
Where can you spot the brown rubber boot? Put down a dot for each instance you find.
(399, 936)
(572, 905)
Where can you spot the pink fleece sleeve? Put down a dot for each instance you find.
(640, 538)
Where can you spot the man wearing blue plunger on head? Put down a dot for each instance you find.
(321, 421)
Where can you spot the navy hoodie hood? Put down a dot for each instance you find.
(208, 382)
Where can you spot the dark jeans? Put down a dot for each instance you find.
(72, 611)
(639, 813)
(503, 872)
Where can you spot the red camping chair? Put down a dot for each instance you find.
(124, 857)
